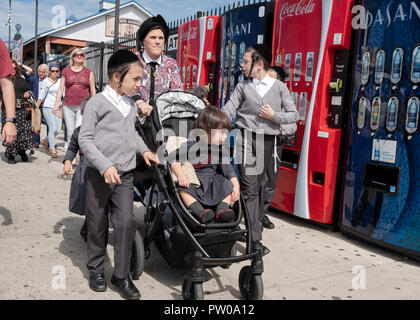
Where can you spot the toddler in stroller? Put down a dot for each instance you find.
(183, 230)
(218, 184)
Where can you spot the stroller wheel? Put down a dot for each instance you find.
(232, 254)
(192, 290)
(137, 257)
(250, 285)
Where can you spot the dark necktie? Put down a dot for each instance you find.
(153, 66)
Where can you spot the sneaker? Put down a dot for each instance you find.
(207, 215)
(227, 215)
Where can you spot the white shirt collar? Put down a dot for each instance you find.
(147, 58)
(122, 103)
(268, 81)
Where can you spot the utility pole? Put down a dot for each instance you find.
(9, 21)
(116, 24)
(36, 39)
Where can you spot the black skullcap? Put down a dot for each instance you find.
(151, 23)
(121, 57)
(281, 74)
(264, 51)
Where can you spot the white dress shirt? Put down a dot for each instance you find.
(122, 103)
(264, 85)
(147, 59)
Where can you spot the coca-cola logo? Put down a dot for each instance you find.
(296, 9)
(190, 34)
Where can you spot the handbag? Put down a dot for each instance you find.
(36, 120)
(28, 106)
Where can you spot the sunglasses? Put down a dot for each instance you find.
(54, 71)
(80, 55)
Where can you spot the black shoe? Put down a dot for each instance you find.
(126, 288)
(267, 223)
(257, 245)
(23, 156)
(11, 160)
(97, 282)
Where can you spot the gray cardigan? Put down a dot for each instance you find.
(107, 138)
(245, 102)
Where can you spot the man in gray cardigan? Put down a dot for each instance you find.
(110, 143)
(262, 106)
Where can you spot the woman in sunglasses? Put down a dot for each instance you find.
(79, 84)
(47, 96)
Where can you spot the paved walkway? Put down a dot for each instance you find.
(39, 240)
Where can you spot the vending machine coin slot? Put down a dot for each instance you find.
(381, 178)
(289, 159)
(337, 89)
(318, 178)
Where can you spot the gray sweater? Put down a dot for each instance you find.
(107, 138)
(246, 103)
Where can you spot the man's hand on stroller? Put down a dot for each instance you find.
(236, 190)
(150, 156)
(111, 176)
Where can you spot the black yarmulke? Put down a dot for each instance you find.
(151, 23)
(121, 57)
(264, 51)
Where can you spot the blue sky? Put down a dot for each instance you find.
(23, 11)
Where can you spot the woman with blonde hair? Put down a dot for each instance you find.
(79, 84)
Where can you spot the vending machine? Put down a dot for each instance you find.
(381, 201)
(171, 46)
(240, 28)
(197, 53)
(311, 42)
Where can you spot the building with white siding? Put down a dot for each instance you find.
(95, 28)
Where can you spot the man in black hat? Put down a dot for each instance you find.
(110, 143)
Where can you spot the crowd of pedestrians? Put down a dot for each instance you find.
(97, 124)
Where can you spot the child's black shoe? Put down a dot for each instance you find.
(207, 215)
(226, 215)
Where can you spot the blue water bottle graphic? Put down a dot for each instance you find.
(233, 55)
(365, 68)
(397, 63)
(415, 66)
(377, 150)
(411, 123)
(392, 115)
(380, 64)
(241, 51)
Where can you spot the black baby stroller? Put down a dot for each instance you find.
(180, 238)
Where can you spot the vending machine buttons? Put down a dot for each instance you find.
(415, 67)
(379, 69)
(392, 115)
(412, 117)
(298, 67)
(375, 114)
(365, 68)
(397, 64)
(361, 114)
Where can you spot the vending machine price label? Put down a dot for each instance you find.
(384, 150)
(338, 38)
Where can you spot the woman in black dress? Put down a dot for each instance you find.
(25, 137)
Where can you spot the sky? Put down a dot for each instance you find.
(23, 12)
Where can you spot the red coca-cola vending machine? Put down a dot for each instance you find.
(197, 53)
(311, 41)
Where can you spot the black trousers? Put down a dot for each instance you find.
(253, 181)
(118, 200)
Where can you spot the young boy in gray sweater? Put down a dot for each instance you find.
(110, 143)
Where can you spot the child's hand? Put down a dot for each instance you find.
(150, 156)
(111, 176)
(183, 181)
(236, 190)
(266, 112)
(68, 168)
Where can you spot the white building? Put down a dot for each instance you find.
(95, 28)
